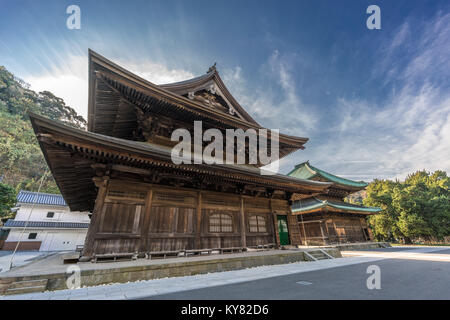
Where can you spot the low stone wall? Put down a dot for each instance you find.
(93, 277)
(364, 245)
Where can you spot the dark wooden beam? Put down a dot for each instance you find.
(198, 222)
(243, 223)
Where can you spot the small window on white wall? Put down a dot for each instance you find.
(32, 236)
(50, 214)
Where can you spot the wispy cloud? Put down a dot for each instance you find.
(276, 102)
(69, 80)
(360, 137)
(411, 129)
(156, 72)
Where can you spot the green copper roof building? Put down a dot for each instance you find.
(315, 204)
(306, 171)
(326, 218)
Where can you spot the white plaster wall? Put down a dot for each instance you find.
(51, 239)
(39, 213)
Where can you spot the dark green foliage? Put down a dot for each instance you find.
(7, 199)
(415, 210)
(21, 161)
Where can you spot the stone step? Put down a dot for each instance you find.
(318, 255)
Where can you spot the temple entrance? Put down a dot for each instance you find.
(283, 230)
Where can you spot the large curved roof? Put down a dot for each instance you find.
(73, 174)
(114, 91)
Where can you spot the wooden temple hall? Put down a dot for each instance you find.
(120, 169)
(326, 218)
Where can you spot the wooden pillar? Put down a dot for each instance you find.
(88, 248)
(321, 231)
(338, 236)
(362, 230)
(327, 229)
(198, 224)
(144, 224)
(276, 236)
(243, 224)
(293, 227)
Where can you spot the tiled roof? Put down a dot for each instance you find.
(11, 223)
(40, 198)
(306, 171)
(314, 203)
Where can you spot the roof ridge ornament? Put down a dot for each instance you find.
(212, 68)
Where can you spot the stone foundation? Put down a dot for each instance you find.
(142, 269)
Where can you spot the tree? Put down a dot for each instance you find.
(414, 210)
(7, 199)
(379, 194)
(21, 160)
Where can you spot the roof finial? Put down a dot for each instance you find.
(212, 68)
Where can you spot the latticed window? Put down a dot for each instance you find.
(220, 222)
(257, 224)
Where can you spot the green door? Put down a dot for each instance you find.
(283, 230)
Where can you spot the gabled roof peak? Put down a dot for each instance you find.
(212, 68)
(302, 164)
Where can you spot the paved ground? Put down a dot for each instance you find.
(4, 253)
(344, 278)
(400, 279)
(20, 258)
(54, 263)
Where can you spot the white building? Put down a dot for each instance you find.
(51, 225)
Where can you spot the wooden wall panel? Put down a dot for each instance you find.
(221, 241)
(335, 228)
(312, 230)
(121, 218)
(139, 217)
(171, 220)
(102, 246)
(170, 243)
(253, 241)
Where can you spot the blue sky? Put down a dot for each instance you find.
(374, 103)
